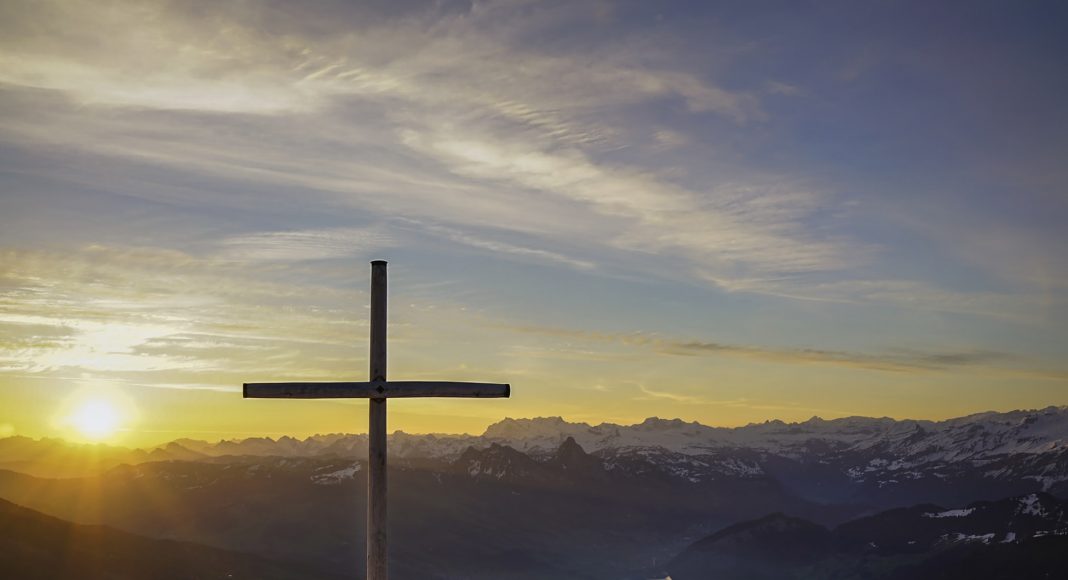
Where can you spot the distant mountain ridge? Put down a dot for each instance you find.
(636, 497)
(1020, 431)
(1031, 431)
(878, 460)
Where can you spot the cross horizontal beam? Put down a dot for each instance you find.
(374, 390)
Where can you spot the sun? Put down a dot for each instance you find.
(96, 419)
(96, 412)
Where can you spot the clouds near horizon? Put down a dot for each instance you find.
(812, 185)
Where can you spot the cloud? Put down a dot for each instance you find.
(670, 139)
(303, 245)
(270, 58)
(161, 316)
(651, 394)
(516, 142)
(910, 294)
(892, 360)
(390, 116)
(737, 403)
(498, 247)
(900, 360)
(731, 228)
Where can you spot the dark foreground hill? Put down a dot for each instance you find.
(1013, 539)
(36, 546)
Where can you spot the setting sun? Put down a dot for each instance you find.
(97, 412)
(96, 419)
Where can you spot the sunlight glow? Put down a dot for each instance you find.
(96, 419)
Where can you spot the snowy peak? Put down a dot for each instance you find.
(981, 434)
(988, 454)
(658, 424)
(535, 428)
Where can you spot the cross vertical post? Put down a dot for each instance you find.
(376, 390)
(377, 555)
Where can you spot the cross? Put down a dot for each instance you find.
(377, 390)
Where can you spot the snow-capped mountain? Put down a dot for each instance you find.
(590, 501)
(886, 460)
(877, 461)
(982, 434)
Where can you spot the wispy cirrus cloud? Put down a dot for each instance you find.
(911, 294)
(188, 172)
(729, 228)
(497, 246)
(304, 244)
(897, 360)
(904, 360)
(539, 132)
(675, 397)
(276, 62)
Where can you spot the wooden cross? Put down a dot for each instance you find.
(377, 390)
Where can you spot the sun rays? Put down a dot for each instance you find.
(96, 413)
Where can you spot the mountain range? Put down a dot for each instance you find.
(546, 498)
(878, 461)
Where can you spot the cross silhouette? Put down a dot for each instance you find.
(377, 390)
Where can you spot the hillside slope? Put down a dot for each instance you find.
(1012, 539)
(36, 546)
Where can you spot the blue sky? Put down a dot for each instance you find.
(721, 211)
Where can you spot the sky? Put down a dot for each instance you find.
(725, 212)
